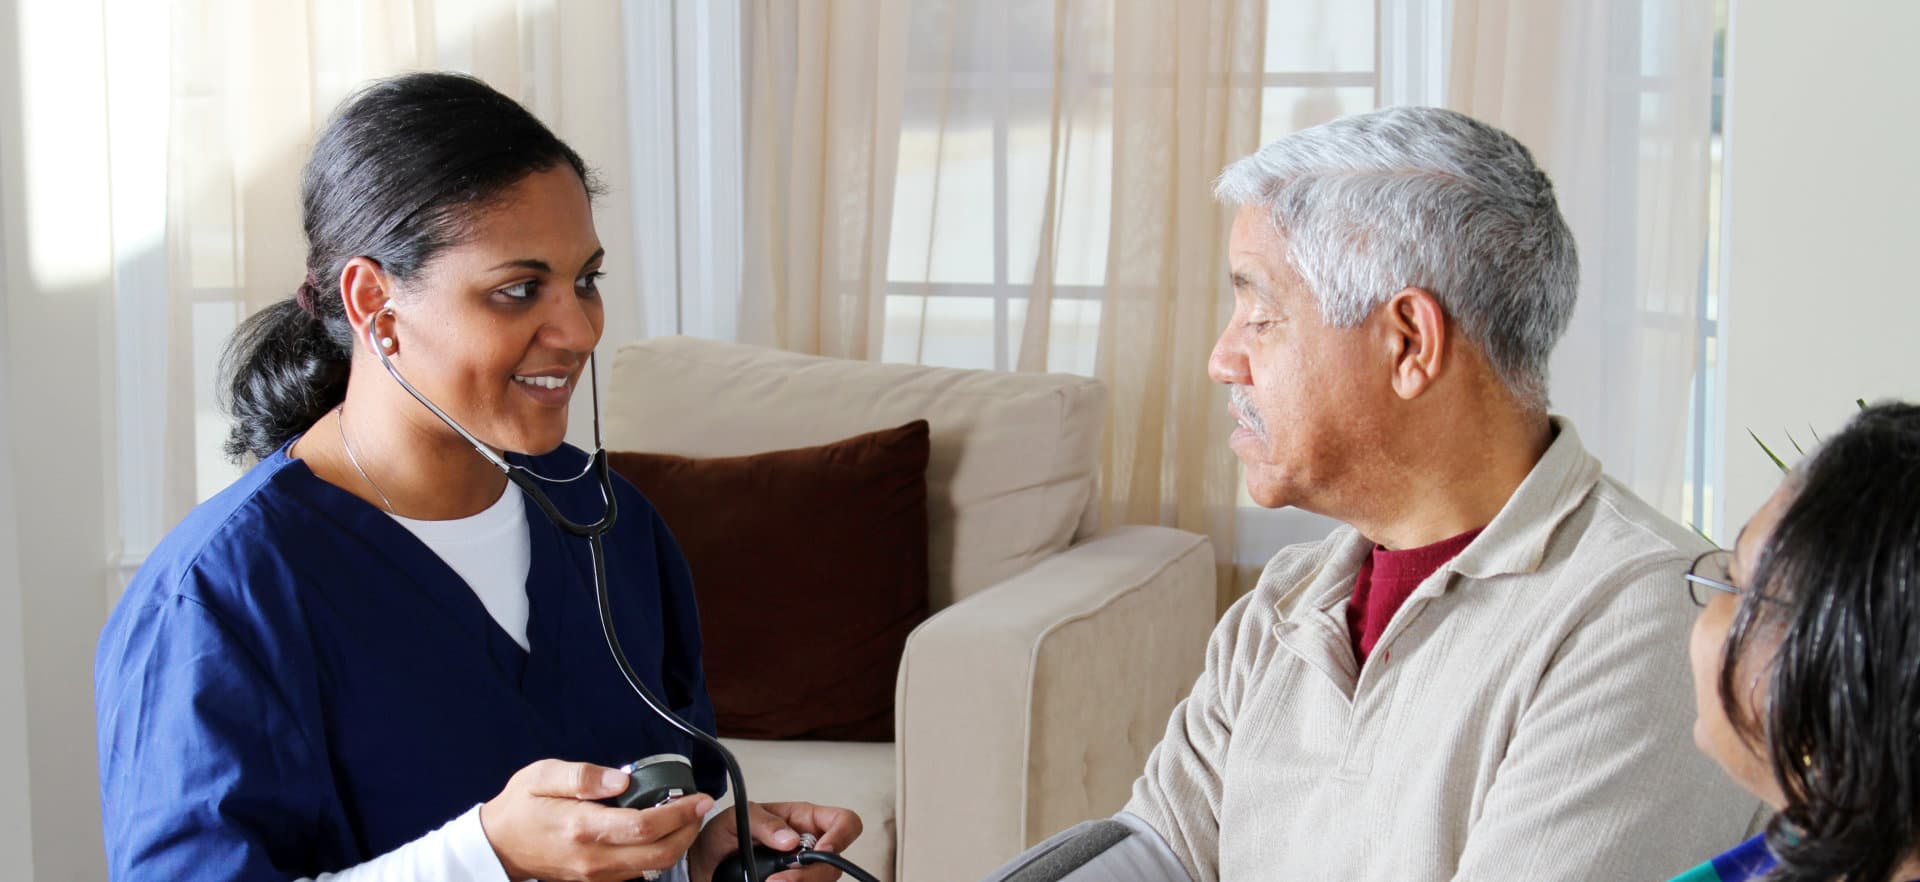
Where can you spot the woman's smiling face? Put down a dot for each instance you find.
(497, 329)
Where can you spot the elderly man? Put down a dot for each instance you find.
(1483, 675)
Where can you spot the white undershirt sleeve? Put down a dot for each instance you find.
(457, 852)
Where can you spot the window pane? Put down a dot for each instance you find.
(1072, 337)
(952, 35)
(213, 323)
(1090, 34)
(943, 205)
(900, 341)
(206, 187)
(1085, 187)
(1288, 109)
(1319, 35)
(939, 330)
(1029, 34)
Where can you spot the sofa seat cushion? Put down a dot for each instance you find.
(846, 774)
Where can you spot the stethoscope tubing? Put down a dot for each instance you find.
(529, 482)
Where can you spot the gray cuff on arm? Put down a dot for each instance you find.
(1117, 849)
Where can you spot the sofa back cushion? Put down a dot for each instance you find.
(1011, 472)
(810, 566)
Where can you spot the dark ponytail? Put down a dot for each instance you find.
(394, 177)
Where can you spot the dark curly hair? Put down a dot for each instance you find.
(395, 176)
(1839, 582)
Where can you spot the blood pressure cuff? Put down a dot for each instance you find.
(1117, 849)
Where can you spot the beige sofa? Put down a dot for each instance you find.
(1030, 698)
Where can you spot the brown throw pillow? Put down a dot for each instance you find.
(810, 566)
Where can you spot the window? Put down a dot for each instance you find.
(973, 164)
(974, 152)
(1706, 436)
(972, 176)
(170, 128)
(975, 142)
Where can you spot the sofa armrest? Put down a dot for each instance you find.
(1032, 705)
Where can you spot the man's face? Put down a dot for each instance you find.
(1305, 395)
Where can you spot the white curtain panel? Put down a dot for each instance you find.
(152, 151)
(1030, 134)
(1614, 100)
(250, 85)
(822, 121)
(1046, 210)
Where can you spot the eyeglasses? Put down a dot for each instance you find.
(1713, 571)
(1710, 571)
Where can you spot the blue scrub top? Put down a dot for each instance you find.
(294, 684)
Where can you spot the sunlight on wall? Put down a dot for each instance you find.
(66, 193)
(60, 375)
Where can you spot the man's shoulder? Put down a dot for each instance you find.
(1615, 555)
(1627, 505)
(1569, 511)
(1614, 525)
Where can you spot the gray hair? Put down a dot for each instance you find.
(1427, 198)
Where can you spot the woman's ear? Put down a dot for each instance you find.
(367, 292)
(1417, 339)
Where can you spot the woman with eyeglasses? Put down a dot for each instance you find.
(1806, 662)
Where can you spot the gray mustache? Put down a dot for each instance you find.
(1239, 400)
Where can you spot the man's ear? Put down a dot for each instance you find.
(1416, 332)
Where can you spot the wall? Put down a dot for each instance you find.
(1821, 191)
(56, 280)
(16, 823)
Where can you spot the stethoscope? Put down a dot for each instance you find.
(527, 479)
(754, 867)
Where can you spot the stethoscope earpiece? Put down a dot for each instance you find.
(386, 344)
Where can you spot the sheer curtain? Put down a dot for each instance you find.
(151, 153)
(250, 86)
(822, 118)
(1020, 184)
(1051, 204)
(1187, 88)
(1614, 99)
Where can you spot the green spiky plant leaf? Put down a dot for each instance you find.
(1782, 466)
(1777, 462)
(1768, 451)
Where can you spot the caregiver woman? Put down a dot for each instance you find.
(370, 656)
